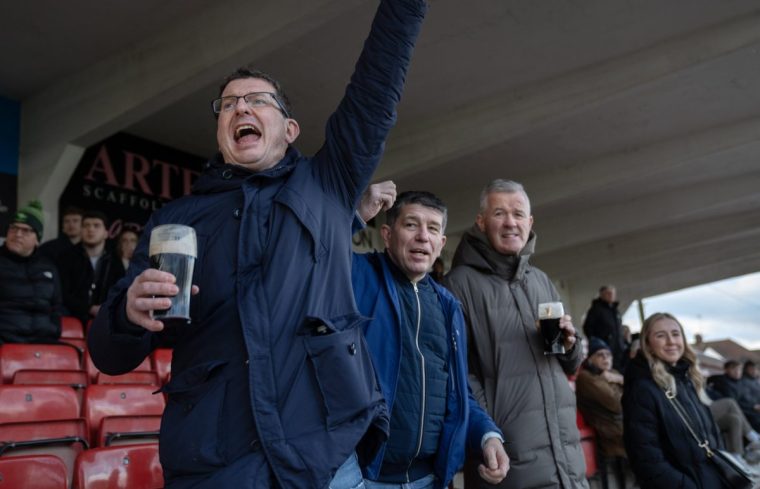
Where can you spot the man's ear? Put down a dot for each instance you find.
(292, 130)
(481, 222)
(385, 233)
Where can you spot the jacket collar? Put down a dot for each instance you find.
(219, 176)
(475, 251)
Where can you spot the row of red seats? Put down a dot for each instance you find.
(123, 467)
(47, 430)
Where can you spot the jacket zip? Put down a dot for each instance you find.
(423, 380)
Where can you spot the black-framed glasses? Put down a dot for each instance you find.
(255, 100)
(23, 231)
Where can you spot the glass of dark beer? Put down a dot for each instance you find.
(549, 314)
(173, 249)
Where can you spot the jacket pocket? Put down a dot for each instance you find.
(308, 219)
(343, 367)
(190, 439)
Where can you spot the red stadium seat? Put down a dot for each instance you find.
(122, 467)
(589, 445)
(71, 327)
(93, 371)
(120, 430)
(101, 401)
(47, 472)
(162, 363)
(37, 403)
(15, 357)
(65, 439)
(134, 377)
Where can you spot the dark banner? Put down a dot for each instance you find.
(127, 178)
(7, 200)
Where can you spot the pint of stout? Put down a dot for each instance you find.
(173, 249)
(549, 314)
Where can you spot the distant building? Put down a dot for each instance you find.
(713, 354)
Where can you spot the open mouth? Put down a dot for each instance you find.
(247, 132)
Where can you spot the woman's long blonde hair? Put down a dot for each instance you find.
(659, 370)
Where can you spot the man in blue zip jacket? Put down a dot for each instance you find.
(417, 341)
(272, 384)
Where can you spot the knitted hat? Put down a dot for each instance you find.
(32, 216)
(595, 344)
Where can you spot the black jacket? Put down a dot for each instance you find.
(30, 299)
(662, 452)
(603, 321)
(82, 286)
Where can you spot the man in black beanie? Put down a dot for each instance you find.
(30, 294)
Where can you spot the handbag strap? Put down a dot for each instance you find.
(705, 445)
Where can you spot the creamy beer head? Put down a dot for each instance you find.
(173, 238)
(550, 310)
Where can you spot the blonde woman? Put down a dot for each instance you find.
(662, 452)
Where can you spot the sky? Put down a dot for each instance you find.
(727, 309)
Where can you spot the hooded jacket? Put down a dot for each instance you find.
(603, 321)
(599, 401)
(274, 362)
(525, 392)
(465, 422)
(662, 452)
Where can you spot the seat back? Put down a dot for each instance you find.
(17, 356)
(71, 327)
(121, 430)
(64, 439)
(122, 467)
(162, 363)
(134, 377)
(47, 472)
(37, 403)
(588, 444)
(119, 400)
(93, 372)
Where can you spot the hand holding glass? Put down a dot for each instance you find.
(173, 249)
(549, 315)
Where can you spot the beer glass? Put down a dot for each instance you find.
(173, 249)
(549, 314)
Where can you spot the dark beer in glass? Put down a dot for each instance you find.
(173, 249)
(549, 314)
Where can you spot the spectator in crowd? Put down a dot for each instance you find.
(30, 294)
(661, 450)
(126, 242)
(599, 389)
(86, 274)
(523, 390)
(70, 236)
(729, 384)
(272, 384)
(603, 321)
(413, 335)
(749, 379)
(735, 428)
(438, 270)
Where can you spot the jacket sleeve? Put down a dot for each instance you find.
(480, 423)
(116, 344)
(357, 130)
(642, 443)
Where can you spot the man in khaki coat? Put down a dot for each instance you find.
(526, 392)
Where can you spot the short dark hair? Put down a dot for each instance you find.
(243, 72)
(730, 364)
(72, 210)
(420, 197)
(748, 365)
(93, 214)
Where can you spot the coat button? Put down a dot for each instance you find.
(227, 174)
(352, 349)
(237, 213)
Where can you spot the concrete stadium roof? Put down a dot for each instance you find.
(635, 126)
